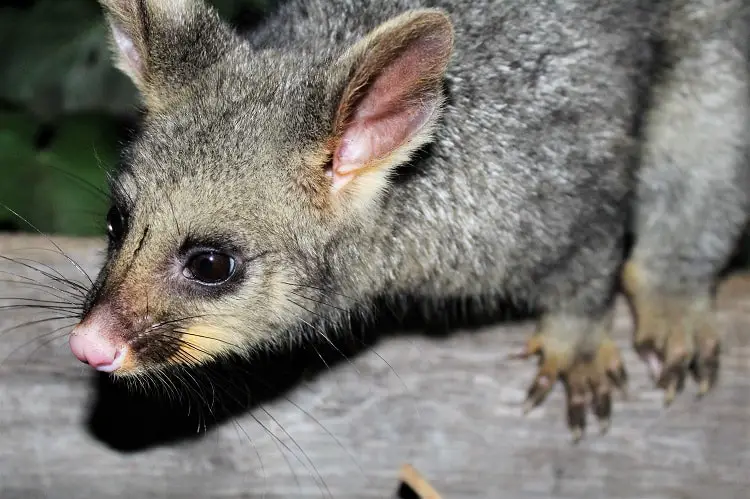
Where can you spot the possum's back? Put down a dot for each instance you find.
(543, 98)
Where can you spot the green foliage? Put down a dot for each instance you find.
(59, 62)
(55, 177)
(61, 102)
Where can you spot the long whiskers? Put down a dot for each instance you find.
(239, 428)
(323, 335)
(75, 286)
(278, 441)
(185, 332)
(323, 291)
(34, 227)
(338, 309)
(309, 415)
(167, 335)
(55, 336)
(216, 381)
(61, 302)
(48, 338)
(83, 183)
(45, 288)
(53, 270)
(39, 301)
(65, 300)
(37, 322)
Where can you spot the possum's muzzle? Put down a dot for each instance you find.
(97, 352)
(95, 341)
(115, 339)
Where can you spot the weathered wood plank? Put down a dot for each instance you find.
(449, 406)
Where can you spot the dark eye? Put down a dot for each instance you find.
(115, 223)
(210, 267)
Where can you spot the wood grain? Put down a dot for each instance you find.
(449, 406)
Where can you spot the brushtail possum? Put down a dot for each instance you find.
(346, 151)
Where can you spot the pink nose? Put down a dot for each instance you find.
(91, 347)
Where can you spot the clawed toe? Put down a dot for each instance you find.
(675, 331)
(673, 349)
(589, 382)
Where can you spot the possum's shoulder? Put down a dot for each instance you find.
(478, 23)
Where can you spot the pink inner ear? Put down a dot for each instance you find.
(372, 138)
(391, 112)
(128, 51)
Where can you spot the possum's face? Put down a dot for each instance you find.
(246, 167)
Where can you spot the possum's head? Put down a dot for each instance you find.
(247, 166)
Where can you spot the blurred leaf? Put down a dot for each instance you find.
(56, 69)
(60, 188)
(56, 59)
(17, 160)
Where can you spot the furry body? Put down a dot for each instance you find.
(555, 128)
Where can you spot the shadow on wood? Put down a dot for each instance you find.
(443, 400)
(132, 416)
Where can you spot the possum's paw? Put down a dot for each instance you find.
(590, 370)
(675, 335)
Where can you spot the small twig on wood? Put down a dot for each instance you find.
(417, 483)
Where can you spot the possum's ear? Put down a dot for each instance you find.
(391, 100)
(163, 44)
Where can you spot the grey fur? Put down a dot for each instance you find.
(693, 184)
(525, 193)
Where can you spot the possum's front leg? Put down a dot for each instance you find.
(572, 337)
(692, 197)
(691, 206)
(573, 345)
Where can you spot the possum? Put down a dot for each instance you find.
(347, 151)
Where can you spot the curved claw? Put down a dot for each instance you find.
(589, 381)
(673, 351)
(602, 403)
(576, 388)
(705, 366)
(619, 379)
(675, 333)
(542, 385)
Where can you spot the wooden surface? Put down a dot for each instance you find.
(449, 406)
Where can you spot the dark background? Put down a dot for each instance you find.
(64, 110)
